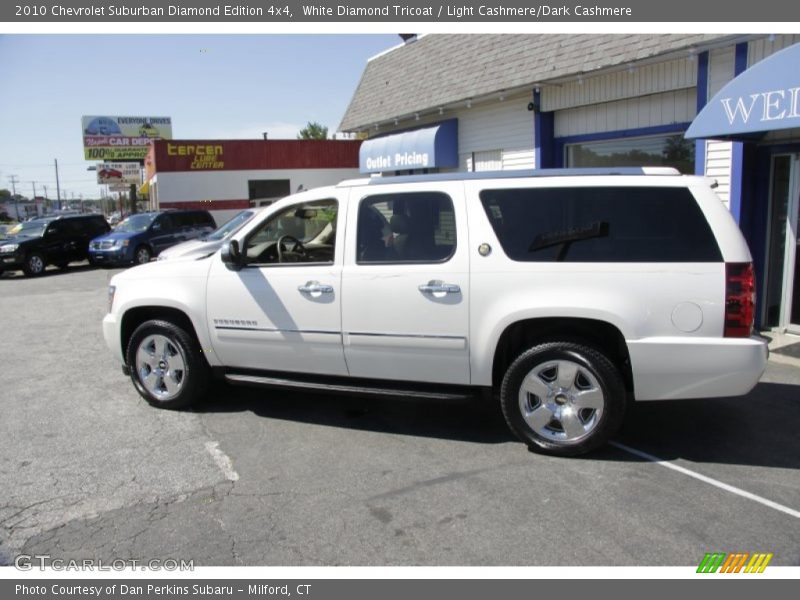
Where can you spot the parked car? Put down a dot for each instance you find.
(564, 292)
(208, 244)
(142, 236)
(50, 240)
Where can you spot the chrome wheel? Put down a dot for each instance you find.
(161, 366)
(561, 401)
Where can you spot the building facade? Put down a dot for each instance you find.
(226, 176)
(545, 101)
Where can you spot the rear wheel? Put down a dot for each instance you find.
(563, 398)
(166, 366)
(34, 265)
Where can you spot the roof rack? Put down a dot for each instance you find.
(513, 174)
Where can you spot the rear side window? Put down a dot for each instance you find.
(406, 228)
(600, 224)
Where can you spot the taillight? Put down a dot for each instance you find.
(740, 299)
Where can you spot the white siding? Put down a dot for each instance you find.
(721, 66)
(506, 125)
(760, 49)
(495, 126)
(639, 81)
(718, 166)
(648, 111)
(518, 159)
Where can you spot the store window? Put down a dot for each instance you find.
(267, 189)
(654, 151)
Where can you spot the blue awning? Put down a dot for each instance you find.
(765, 97)
(424, 148)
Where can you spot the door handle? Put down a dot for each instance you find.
(438, 287)
(314, 288)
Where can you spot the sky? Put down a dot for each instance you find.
(212, 86)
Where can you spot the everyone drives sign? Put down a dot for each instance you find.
(122, 138)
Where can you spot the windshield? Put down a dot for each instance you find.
(231, 226)
(29, 228)
(135, 223)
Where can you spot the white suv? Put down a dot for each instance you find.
(568, 292)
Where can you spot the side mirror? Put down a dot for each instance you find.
(157, 226)
(232, 255)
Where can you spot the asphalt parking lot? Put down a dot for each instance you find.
(88, 470)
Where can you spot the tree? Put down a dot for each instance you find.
(5, 195)
(313, 131)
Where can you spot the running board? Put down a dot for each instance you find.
(351, 390)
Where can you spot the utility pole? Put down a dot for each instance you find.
(33, 183)
(58, 186)
(13, 179)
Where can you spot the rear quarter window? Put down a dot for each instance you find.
(600, 224)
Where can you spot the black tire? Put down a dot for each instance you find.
(34, 264)
(192, 381)
(563, 425)
(142, 255)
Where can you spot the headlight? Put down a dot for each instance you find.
(111, 291)
(9, 248)
(121, 243)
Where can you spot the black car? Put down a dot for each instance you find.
(50, 240)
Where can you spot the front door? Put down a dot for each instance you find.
(282, 310)
(405, 286)
(783, 279)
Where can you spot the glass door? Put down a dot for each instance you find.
(782, 309)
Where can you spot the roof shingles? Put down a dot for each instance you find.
(436, 70)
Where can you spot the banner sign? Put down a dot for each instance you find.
(118, 173)
(122, 138)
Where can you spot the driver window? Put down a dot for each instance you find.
(301, 233)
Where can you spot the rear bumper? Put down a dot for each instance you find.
(675, 368)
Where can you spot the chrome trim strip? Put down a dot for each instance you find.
(266, 330)
(339, 389)
(408, 335)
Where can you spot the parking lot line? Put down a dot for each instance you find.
(719, 484)
(223, 461)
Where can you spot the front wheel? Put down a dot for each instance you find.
(142, 255)
(563, 398)
(166, 365)
(34, 265)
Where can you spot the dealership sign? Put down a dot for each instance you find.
(122, 138)
(126, 173)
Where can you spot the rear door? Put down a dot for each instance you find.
(405, 284)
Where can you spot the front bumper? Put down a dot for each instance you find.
(112, 335)
(112, 256)
(11, 261)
